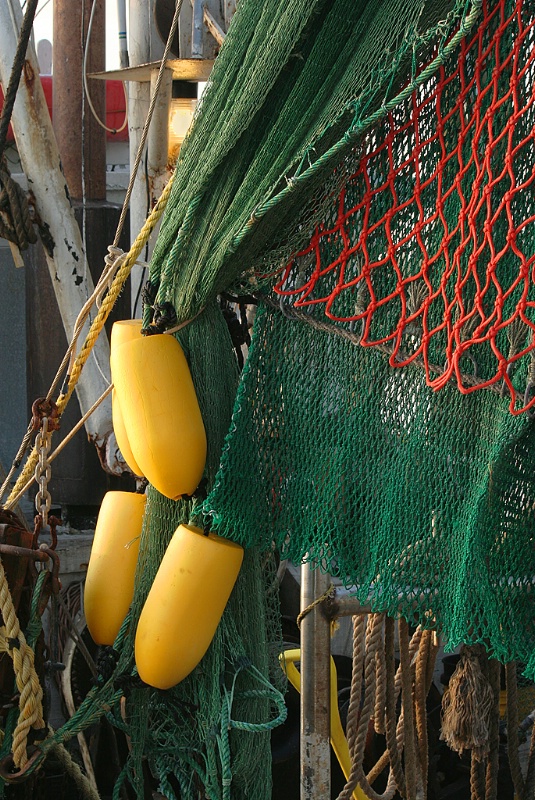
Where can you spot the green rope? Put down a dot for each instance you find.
(227, 723)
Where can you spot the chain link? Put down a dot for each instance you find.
(43, 443)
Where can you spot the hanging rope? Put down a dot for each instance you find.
(375, 687)
(16, 224)
(31, 693)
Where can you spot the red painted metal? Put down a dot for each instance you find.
(115, 107)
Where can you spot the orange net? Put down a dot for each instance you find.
(429, 249)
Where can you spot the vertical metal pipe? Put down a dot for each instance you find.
(197, 49)
(123, 44)
(315, 689)
(81, 140)
(139, 48)
(158, 141)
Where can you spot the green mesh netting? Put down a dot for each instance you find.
(422, 501)
(290, 94)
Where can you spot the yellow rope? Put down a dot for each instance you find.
(31, 693)
(97, 325)
(325, 596)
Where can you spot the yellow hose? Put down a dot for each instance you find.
(338, 739)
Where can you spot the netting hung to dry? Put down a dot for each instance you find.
(414, 484)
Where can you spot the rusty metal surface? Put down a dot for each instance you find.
(82, 146)
(42, 407)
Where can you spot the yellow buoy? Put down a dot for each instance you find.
(123, 330)
(185, 605)
(121, 435)
(109, 585)
(160, 412)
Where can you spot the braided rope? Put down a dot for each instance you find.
(97, 326)
(354, 701)
(394, 747)
(86, 791)
(408, 710)
(380, 691)
(395, 730)
(477, 790)
(420, 694)
(359, 718)
(31, 693)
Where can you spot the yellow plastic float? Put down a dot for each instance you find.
(123, 331)
(121, 436)
(160, 412)
(185, 605)
(109, 585)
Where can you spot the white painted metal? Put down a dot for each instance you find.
(123, 44)
(158, 140)
(138, 107)
(67, 263)
(144, 46)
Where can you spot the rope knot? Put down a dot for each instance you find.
(467, 706)
(16, 223)
(106, 663)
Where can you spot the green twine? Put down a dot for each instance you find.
(227, 723)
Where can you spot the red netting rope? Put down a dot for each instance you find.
(431, 243)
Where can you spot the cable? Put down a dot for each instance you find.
(86, 87)
(144, 270)
(43, 6)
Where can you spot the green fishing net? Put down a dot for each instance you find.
(383, 424)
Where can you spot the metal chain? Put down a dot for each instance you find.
(43, 442)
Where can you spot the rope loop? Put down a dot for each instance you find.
(16, 222)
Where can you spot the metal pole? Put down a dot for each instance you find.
(158, 139)
(315, 689)
(38, 151)
(143, 47)
(81, 140)
(197, 49)
(123, 45)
